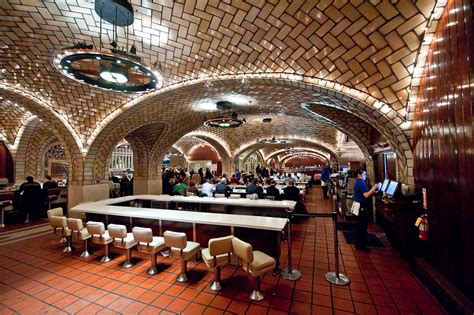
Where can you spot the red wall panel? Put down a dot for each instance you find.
(6, 163)
(443, 145)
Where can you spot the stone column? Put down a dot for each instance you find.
(77, 194)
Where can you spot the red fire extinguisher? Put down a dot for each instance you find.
(423, 227)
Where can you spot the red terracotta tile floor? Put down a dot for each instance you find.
(37, 278)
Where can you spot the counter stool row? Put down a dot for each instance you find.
(218, 254)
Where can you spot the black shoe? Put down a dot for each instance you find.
(363, 249)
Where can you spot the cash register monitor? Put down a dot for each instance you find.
(385, 185)
(392, 188)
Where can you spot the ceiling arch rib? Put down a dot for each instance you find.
(287, 157)
(278, 154)
(297, 143)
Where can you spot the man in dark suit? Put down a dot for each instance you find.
(293, 193)
(31, 200)
(49, 184)
(223, 188)
(273, 191)
(253, 188)
(290, 192)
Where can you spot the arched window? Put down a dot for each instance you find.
(122, 157)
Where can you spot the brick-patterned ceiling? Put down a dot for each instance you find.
(370, 46)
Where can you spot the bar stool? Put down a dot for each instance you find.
(122, 240)
(255, 263)
(219, 195)
(100, 236)
(52, 195)
(6, 204)
(147, 243)
(235, 196)
(75, 225)
(59, 225)
(218, 254)
(186, 250)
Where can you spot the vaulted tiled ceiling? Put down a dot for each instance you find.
(370, 46)
(13, 117)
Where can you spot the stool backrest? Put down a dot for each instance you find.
(142, 235)
(235, 196)
(75, 224)
(57, 212)
(117, 230)
(220, 245)
(243, 250)
(95, 228)
(54, 191)
(219, 195)
(58, 222)
(175, 239)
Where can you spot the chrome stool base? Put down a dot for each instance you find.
(152, 271)
(85, 254)
(182, 278)
(215, 286)
(256, 295)
(127, 264)
(105, 259)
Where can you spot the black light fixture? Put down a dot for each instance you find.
(110, 69)
(273, 140)
(225, 122)
(267, 120)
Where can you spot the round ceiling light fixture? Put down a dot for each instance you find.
(109, 69)
(225, 122)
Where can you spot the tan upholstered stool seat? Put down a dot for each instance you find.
(218, 254)
(100, 236)
(147, 243)
(188, 252)
(255, 263)
(181, 248)
(80, 232)
(156, 245)
(261, 263)
(122, 239)
(126, 242)
(221, 260)
(102, 239)
(59, 225)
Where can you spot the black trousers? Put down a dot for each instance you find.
(325, 191)
(362, 224)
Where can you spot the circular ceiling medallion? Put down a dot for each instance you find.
(225, 122)
(107, 70)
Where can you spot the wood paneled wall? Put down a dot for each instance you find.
(444, 147)
(6, 163)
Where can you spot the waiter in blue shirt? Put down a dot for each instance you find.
(325, 175)
(362, 195)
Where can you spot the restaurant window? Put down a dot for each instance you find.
(122, 157)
